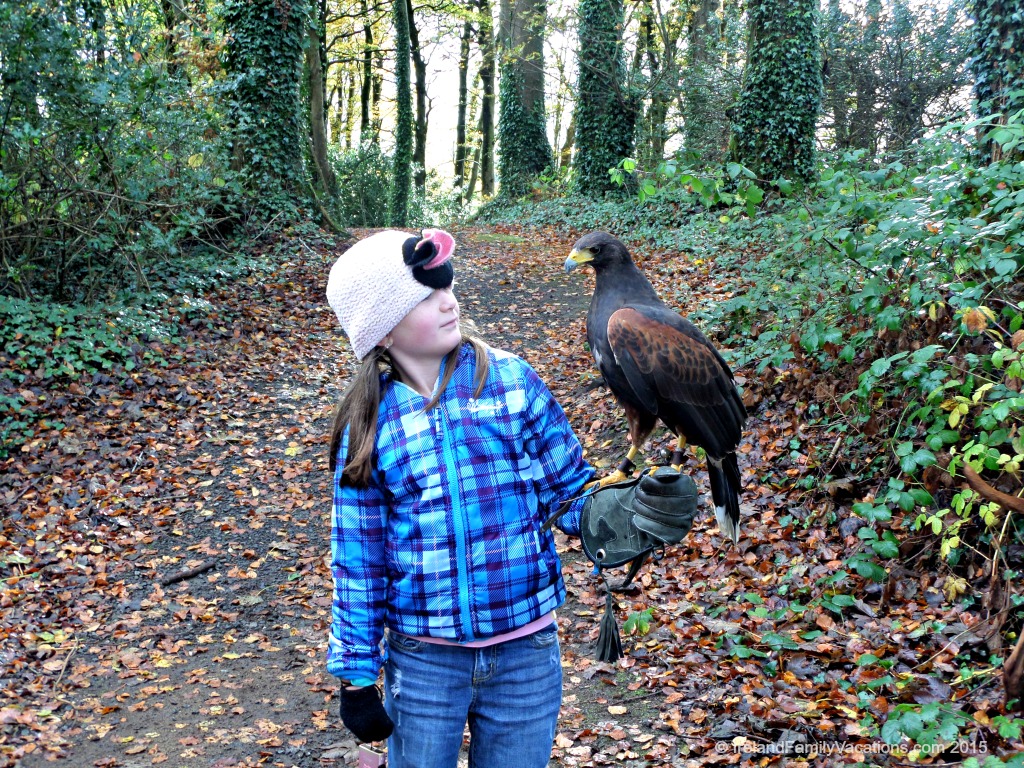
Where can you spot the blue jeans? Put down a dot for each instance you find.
(510, 693)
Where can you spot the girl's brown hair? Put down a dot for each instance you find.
(360, 405)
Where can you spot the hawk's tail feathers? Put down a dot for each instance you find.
(725, 491)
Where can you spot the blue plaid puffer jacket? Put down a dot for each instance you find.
(447, 542)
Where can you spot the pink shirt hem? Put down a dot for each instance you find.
(523, 631)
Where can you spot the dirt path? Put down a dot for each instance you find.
(226, 668)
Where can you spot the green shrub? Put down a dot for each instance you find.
(110, 170)
(364, 185)
(907, 275)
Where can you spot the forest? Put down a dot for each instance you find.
(833, 193)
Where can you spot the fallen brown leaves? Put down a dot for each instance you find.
(165, 597)
(748, 650)
(178, 507)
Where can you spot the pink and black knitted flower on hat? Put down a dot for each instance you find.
(429, 258)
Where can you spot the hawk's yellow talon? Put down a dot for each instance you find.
(615, 477)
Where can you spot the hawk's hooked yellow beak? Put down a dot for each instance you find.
(576, 258)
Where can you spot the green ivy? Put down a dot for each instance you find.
(774, 130)
(998, 62)
(606, 111)
(523, 152)
(265, 52)
(365, 176)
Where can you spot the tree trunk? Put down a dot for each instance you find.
(460, 127)
(776, 117)
(332, 113)
(524, 148)
(565, 153)
(378, 88)
(606, 111)
(173, 15)
(999, 64)
(350, 110)
(558, 131)
(98, 22)
(266, 45)
(487, 66)
(317, 117)
(419, 154)
(474, 169)
(532, 31)
(366, 91)
(398, 210)
(335, 111)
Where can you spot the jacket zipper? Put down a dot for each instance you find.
(459, 522)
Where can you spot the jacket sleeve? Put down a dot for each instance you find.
(559, 469)
(359, 523)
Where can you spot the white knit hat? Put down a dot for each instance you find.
(380, 279)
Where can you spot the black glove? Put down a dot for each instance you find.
(624, 521)
(363, 713)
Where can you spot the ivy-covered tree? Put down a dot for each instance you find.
(773, 131)
(398, 210)
(523, 148)
(265, 52)
(999, 59)
(606, 111)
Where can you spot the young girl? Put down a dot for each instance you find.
(448, 458)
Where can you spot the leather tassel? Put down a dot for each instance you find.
(609, 644)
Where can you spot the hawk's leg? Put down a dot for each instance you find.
(623, 472)
(679, 454)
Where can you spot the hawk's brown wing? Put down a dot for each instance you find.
(676, 373)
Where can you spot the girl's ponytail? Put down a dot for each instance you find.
(358, 411)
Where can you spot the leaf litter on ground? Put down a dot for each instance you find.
(166, 589)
